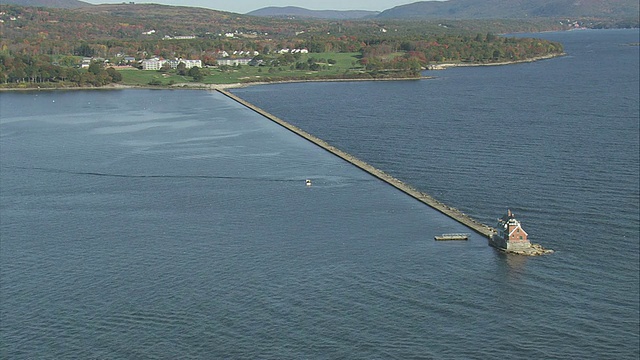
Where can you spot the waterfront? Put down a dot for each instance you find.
(177, 224)
(557, 141)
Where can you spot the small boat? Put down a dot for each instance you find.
(308, 182)
(449, 237)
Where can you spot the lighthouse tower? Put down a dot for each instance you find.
(510, 236)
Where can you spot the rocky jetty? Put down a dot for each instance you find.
(533, 250)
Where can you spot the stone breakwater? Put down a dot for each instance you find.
(427, 199)
(487, 231)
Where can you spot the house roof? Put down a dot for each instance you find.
(517, 226)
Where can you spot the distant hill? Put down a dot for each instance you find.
(510, 9)
(62, 4)
(298, 12)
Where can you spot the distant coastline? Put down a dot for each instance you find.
(203, 86)
(247, 84)
(537, 58)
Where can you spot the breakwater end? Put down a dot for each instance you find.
(530, 250)
(534, 250)
(427, 199)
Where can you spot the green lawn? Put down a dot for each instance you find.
(345, 62)
(143, 77)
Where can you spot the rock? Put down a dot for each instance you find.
(533, 250)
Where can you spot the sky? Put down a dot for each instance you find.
(245, 6)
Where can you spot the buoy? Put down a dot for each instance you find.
(308, 182)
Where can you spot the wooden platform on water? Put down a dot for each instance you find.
(427, 199)
(451, 237)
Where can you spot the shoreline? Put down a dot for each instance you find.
(247, 84)
(534, 59)
(203, 86)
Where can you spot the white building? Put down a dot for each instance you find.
(293, 51)
(152, 64)
(86, 62)
(233, 62)
(156, 64)
(188, 63)
(179, 37)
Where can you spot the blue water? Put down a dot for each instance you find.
(176, 224)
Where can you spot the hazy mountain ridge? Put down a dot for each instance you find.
(62, 4)
(450, 9)
(518, 9)
(294, 11)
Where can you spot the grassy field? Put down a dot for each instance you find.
(344, 62)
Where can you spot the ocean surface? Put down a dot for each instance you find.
(147, 224)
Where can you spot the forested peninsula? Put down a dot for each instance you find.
(108, 44)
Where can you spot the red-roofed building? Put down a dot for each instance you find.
(510, 236)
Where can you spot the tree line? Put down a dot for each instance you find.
(38, 47)
(40, 70)
(487, 48)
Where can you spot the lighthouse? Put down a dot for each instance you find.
(510, 235)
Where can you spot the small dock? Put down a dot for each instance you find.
(427, 199)
(451, 237)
